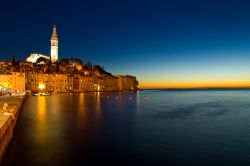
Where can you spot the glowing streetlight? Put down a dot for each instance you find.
(41, 86)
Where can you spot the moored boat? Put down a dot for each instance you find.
(44, 94)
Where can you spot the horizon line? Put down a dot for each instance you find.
(194, 88)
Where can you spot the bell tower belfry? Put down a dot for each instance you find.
(54, 46)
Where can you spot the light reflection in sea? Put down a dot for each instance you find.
(153, 128)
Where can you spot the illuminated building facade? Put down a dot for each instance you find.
(13, 80)
(62, 82)
(51, 82)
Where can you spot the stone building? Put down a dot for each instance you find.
(48, 82)
(87, 83)
(62, 82)
(76, 83)
(127, 83)
(5, 66)
(13, 80)
(107, 83)
(70, 79)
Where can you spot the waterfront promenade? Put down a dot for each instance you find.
(7, 125)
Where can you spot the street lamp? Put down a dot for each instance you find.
(41, 86)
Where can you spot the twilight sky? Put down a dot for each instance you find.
(165, 43)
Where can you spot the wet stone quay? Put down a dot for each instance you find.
(7, 124)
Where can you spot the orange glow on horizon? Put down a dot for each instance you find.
(196, 85)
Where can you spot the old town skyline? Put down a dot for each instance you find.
(40, 73)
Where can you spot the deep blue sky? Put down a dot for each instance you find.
(162, 42)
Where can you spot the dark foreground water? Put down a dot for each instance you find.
(143, 128)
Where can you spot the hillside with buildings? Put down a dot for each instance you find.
(50, 74)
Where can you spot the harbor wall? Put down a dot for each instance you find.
(7, 124)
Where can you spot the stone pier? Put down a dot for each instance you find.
(7, 125)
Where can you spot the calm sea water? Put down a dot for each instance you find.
(143, 128)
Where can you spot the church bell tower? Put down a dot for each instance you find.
(54, 46)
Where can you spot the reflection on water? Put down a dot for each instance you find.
(138, 101)
(142, 128)
(41, 107)
(41, 119)
(98, 105)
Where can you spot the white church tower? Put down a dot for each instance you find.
(54, 46)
